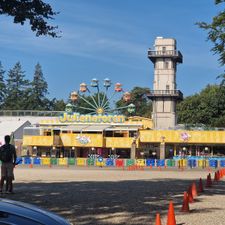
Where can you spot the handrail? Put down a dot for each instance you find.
(30, 113)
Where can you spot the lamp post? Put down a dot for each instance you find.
(184, 151)
(206, 150)
(142, 154)
(35, 151)
(93, 152)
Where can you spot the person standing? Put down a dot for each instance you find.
(8, 158)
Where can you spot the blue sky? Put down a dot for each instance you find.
(110, 38)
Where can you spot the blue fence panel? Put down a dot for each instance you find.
(19, 160)
(213, 163)
(27, 160)
(192, 163)
(109, 162)
(222, 163)
(150, 162)
(160, 162)
(37, 161)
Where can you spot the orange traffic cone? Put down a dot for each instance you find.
(171, 215)
(190, 196)
(218, 175)
(158, 220)
(200, 186)
(194, 190)
(215, 177)
(31, 165)
(185, 206)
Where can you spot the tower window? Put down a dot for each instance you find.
(166, 64)
(167, 88)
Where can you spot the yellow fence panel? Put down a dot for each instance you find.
(81, 162)
(140, 162)
(182, 163)
(45, 161)
(63, 161)
(100, 163)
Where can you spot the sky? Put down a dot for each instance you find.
(110, 39)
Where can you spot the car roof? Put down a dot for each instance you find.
(31, 212)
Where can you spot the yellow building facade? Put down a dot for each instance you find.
(127, 138)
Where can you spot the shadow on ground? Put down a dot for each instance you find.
(122, 202)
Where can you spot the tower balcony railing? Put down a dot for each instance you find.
(165, 93)
(153, 54)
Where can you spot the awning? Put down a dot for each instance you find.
(121, 128)
(98, 128)
(78, 128)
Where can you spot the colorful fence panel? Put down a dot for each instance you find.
(119, 163)
(71, 161)
(150, 162)
(81, 161)
(46, 161)
(140, 162)
(54, 161)
(27, 160)
(90, 162)
(160, 162)
(130, 162)
(213, 163)
(109, 162)
(37, 161)
(62, 161)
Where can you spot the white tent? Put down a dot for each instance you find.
(8, 127)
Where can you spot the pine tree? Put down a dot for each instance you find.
(39, 90)
(2, 85)
(16, 90)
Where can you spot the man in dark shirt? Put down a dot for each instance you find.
(8, 166)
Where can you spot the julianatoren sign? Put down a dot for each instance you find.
(76, 117)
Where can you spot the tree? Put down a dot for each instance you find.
(57, 105)
(35, 11)
(38, 91)
(216, 34)
(16, 88)
(2, 85)
(207, 107)
(139, 99)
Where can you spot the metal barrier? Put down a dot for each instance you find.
(109, 162)
(150, 162)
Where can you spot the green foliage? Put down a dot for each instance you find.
(139, 99)
(207, 107)
(57, 105)
(216, 34)
(38, 91)
(2, 85)
(16, 95)
(36, 12)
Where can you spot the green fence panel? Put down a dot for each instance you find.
(54, 161)
(90, 162)
(169, 162)
(130, 162)
(173, 162)
(71, 161)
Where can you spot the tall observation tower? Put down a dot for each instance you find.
(165, 95)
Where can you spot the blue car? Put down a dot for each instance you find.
(20, 213)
